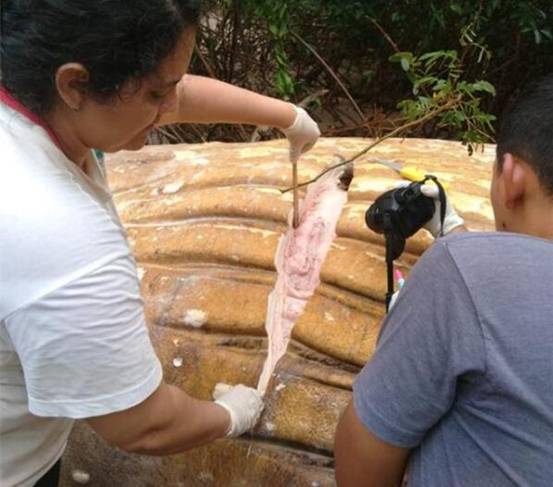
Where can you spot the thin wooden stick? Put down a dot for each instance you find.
(311, 49)
(384, 33)
(295, 217)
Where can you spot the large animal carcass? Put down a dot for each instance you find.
(204, 222)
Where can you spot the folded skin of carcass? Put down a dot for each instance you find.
(300, 255)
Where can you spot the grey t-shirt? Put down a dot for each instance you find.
(463, 371)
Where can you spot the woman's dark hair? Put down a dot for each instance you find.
(116, 40)
(526, 130)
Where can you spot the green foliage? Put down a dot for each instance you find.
(276, 16)
(460, 48)
(439, 87)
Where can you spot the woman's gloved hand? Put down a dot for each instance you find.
(243, 404)
(452, 219)
(302, 134)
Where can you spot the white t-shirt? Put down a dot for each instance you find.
(73, 341)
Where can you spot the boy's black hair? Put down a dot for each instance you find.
(526, 130)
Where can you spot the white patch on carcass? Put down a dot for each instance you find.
(80, 477)
(176, 342)
(195, 318)
(329, 316)
(256, 152)
(190, 280)
(268, 190)
(196, 176)
(373, 184)
(185, 155)
(154, 192)
(356, 213)
(171, 201)
(177, 362)
(387, 149)
(336, 246)
(260, 231)
(270, 426)
(199, 161)
(206, 477)
(140, 272)
(280, 387)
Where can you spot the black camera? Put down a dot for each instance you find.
(400, 213)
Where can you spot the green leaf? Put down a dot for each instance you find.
(422, 82)
(484, 86)
(441, 85)
(410, 76)
(432, 55)
(405, 64)
(281, 57)
(398, 56)
(457, 8)
(284, 84)
(426, 80)
(425, 101)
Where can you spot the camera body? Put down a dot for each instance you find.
(400, 213)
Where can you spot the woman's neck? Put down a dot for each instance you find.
(64, 129)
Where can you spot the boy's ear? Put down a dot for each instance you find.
(513, 179)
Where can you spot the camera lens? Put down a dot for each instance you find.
(373, 219)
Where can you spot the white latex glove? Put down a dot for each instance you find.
(244, 405)
(302, 134)
(452, 219)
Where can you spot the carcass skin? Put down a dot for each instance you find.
(299, 259)
(204, 222)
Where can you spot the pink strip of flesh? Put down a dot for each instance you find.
(299, 258)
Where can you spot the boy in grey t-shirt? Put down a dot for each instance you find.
(461, 383)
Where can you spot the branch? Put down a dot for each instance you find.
(384, 33)
(393, 133)
(207, 67)
(333, 74)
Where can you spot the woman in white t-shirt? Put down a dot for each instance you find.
(77, 75)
